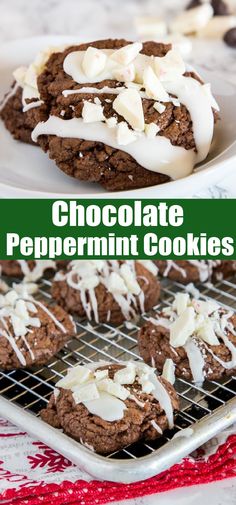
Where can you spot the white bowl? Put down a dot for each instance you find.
(25, 171)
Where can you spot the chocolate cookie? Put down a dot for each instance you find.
(107, 291)
(114, 113)
(31, 270)
(224, 269)
(109, 407)
(199, 337)
(196, 270)
(20, 124)
(90, 159)
(31, 332)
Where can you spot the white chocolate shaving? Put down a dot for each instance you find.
(92, 112)
(16, 310)
(129, 105)
(105, 397)
(169, 371)
(94, 62)
(120, 279)
(127, 54)
(153, 86)
(195, 325)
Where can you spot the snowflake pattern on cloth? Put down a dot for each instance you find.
(48, 458)
(32, 474)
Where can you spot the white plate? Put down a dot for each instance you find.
(25, 171)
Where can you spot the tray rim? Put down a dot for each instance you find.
(118, 470)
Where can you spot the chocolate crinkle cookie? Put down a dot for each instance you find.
(186, 271)
(31, 332)
(109, 406)
(107, 291)
(20, 121)
(124, 115)
(30, 270)
(194, 338)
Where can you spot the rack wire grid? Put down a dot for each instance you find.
(30, 389)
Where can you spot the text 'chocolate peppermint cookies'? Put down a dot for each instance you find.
(108, 406)
(124, 115)
(198, 337)
(31, 332)
(107, 291)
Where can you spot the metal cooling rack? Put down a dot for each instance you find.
(205, 410)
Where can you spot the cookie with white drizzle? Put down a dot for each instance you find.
(21, 108)
(108, 406)
(124, 115)
(30, 270)
(107, 291)
(31, 332)
(198, 336)
(186, 271)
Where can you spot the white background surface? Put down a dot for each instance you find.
(93, 19)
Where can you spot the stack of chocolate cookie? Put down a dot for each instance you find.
(124, 115)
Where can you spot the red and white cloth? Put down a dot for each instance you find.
(33, 474)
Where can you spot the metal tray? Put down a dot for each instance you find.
(207, 410)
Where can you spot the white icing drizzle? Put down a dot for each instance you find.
(38, 270)
(119, 279)
(97, 91)
(197, 326)
(106, 90)
(191, 93)
(27, 345)
(133, 397)
(12, 341)
(94, 304)
(28, 93)
(221, 328)
(204, 267)
(155, 154)
(105, 397)
(172, 264)
(169, 69)
(156, 427)
(32, 105)
(16, 310)
(162, 396)
(51, 315)
(150, 266)
(8, 96)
